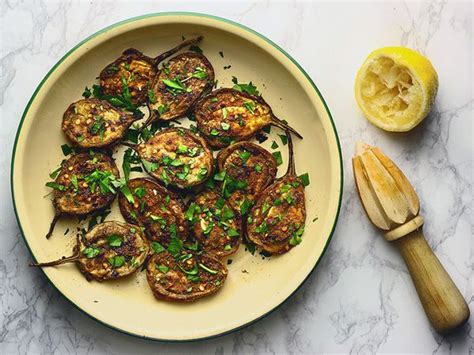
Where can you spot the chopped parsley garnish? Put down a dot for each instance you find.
(184, 174)
(258, 168)
(220, 176)
(195, 48)
(225, 126)
(245, 205)
(233, 232)
(205, 268)
(262, 228)
(274, 145)
(116, 261)
(278, 158)
(157, 247)
(296, 238)
(284, 139)
(67, 149)
(193, 207)
(199, 73)
(249, 105)
(176, 245)
(182, 149)
(214, 132)
(248, 88)
(202, 173)
(115, 240)
(227, 247)
(176, 86)
(56, 186)
(163, 268)
(224, 112)
(214, 99)
(140, 191)
(74, 182)
(244, 156)
(98, 127)
(91, 252)
(55, 173)
(150, 166)
(227, 213)
(87, 93)
(265, 207)
(304, 179)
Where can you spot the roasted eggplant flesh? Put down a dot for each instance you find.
(177, 157)
(155, 208)
(132, 71)
(215, 225)
(85, 184)
(111, 250)
(185, 278)
(245, 161)
(276, 222)
(92, 123)
(228, 115)
(179, 83)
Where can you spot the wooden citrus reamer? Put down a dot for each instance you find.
(393, 206)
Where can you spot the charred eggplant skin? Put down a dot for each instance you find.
(227, 115)
(194, 72)
(111, 250)
(215, 224)
(93, 123)
(185, 279)
(277, 220)
(157, 209)
(79, 196)
(177, 157)
(246, 161)
(132, 68)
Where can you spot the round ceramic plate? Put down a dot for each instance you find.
(255, 285)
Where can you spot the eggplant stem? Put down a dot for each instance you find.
(63, 260)
(130, 145)
(152, 118)
(172, 51)
(291, 156)
(52, 225)
(280, 124)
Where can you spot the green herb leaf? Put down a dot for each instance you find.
(220, 176)
(163, 268)
(297, 236)
(278, 158)
(67, 149)
(91, 252)
(225, 126)
(244, 156)
(284, 139)
(150, 166)
(175, 246)
(175, 85)
(249, 105)
(245, 205)
(125, 190)
(205, 268)
(116, 261)
(115, 240)
(195, 48)
(87, 92)
(304, 179)
(214, 132)
(248, 88)
(74, 182)
(258, 168)
(56, 186)
(157, 247)
(233, 232)
(274, 145)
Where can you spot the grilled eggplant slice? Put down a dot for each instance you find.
(276, 222)
(92, 123)
(85, 184)
(227, 115)
(186, 278)
(178, 85)
(216, 226)
(176, 157)
(136, 72)
(109, 251)
(246, 161)
(160, 211)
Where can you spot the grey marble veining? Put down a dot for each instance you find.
(360, 299)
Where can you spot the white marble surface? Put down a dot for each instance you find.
(360, 299)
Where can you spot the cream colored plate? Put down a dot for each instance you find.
(254, 286)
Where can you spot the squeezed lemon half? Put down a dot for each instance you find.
(395, 88)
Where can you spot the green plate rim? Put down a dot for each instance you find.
(221, 19)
